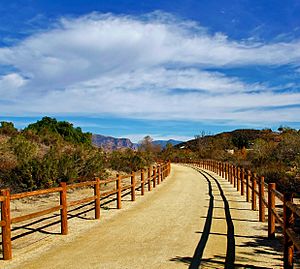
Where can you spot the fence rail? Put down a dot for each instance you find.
(155, 175)
(255, 188)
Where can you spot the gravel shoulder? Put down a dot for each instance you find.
(178, 224)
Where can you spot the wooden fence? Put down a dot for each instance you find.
(255, 189)
(150, 177)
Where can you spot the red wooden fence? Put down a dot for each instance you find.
(254, 187)
(159, 173)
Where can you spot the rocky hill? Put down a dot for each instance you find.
(110, 143)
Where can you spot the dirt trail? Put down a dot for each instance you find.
(189, 221)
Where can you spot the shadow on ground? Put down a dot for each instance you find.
(261, 245)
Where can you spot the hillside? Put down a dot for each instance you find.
(164, 143)
(274, 155)
(49, 151)
(235, 139)
(110, 143)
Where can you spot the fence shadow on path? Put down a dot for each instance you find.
(195, 261)
(261, 245)
(76, 212)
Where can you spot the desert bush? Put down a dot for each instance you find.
(8, 128)
(128, 160)
(23, 149)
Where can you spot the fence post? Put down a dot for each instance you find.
(223, 172)
(64, 209)
(6, 229)
(271, 207)
(261, 198)
(97, 199)
(142, 182)
(229, 172)
(248, 185)
(149, 178)
(132, 181)
(288, 218)
(119, 192)
(242, 181)
(254, 207)
(154, 176)
(158, 174)
(238, 178)
(234, 176)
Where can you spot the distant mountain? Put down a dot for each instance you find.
(111, 143)
(238, 138)
(163, 143)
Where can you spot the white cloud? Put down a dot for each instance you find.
(153, 66)
(10, 85)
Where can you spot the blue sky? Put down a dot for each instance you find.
(169, 69)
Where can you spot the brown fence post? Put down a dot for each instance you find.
(261, 198)
(158, 174)
(248, 179)
(97, 199)
(154, 176)
(142, 182)
(149, 178)
(271, 207)
(242, 181)
(64, 209)
(288, 218)
(6, 229)
(119, 192)
(234, 176)
(238, 179)
(254, 207)
(132, 181)
(223, 170)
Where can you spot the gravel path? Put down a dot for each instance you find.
(189, 221)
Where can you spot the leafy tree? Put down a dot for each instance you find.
(8, 128)
(148, 150)
(51, 131)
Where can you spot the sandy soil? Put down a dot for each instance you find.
(188, 221)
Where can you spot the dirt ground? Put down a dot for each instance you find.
(188, 221)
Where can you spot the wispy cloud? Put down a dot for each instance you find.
(154, 66)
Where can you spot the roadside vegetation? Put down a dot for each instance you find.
(50, 151)
(276, 155)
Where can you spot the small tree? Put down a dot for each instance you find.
(8, 128)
